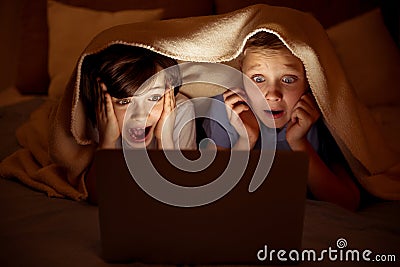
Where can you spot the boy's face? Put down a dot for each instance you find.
(143, 114)
(281, 78)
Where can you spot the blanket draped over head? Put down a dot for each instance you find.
(56, 144)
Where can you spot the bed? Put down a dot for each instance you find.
(38, 230)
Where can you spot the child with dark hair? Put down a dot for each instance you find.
(121, 75)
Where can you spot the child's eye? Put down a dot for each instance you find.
(289, 79)
(258, 78)
(155, 97)
(124, 101)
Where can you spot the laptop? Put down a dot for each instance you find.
(238, 228)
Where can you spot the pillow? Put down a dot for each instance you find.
(32, 60)
(70, 31)
(369, 57)
(388, 119)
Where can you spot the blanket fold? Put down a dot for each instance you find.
(62, 159)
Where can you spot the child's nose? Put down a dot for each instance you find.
(272, 93)
(137, 112)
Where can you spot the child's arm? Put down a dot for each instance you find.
(334, 185)
(108, 135)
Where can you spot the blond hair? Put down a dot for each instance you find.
(261, 42)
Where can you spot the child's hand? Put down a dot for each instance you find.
(305, 114)
(107, 122)
(165, 128)
(235, 103)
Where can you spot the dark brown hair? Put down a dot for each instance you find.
(123, 69)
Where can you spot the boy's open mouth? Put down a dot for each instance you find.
(139, 134)
(276, 114)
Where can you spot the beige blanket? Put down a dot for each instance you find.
(60, 172)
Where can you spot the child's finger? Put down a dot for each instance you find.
(302, 113)
(100, 102)
(293, 117)
(167, 100)
(166, 106)
(101, 107)
(227, 94)
(296, 116)
(109, 109)
(309, 99)
(302, 117)
(234, 99)
(238, 91)
(103, 104)
(304, 106)
(238, 109)
(102, 92)
(309, 105)
(173, 100)
(235, 91)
